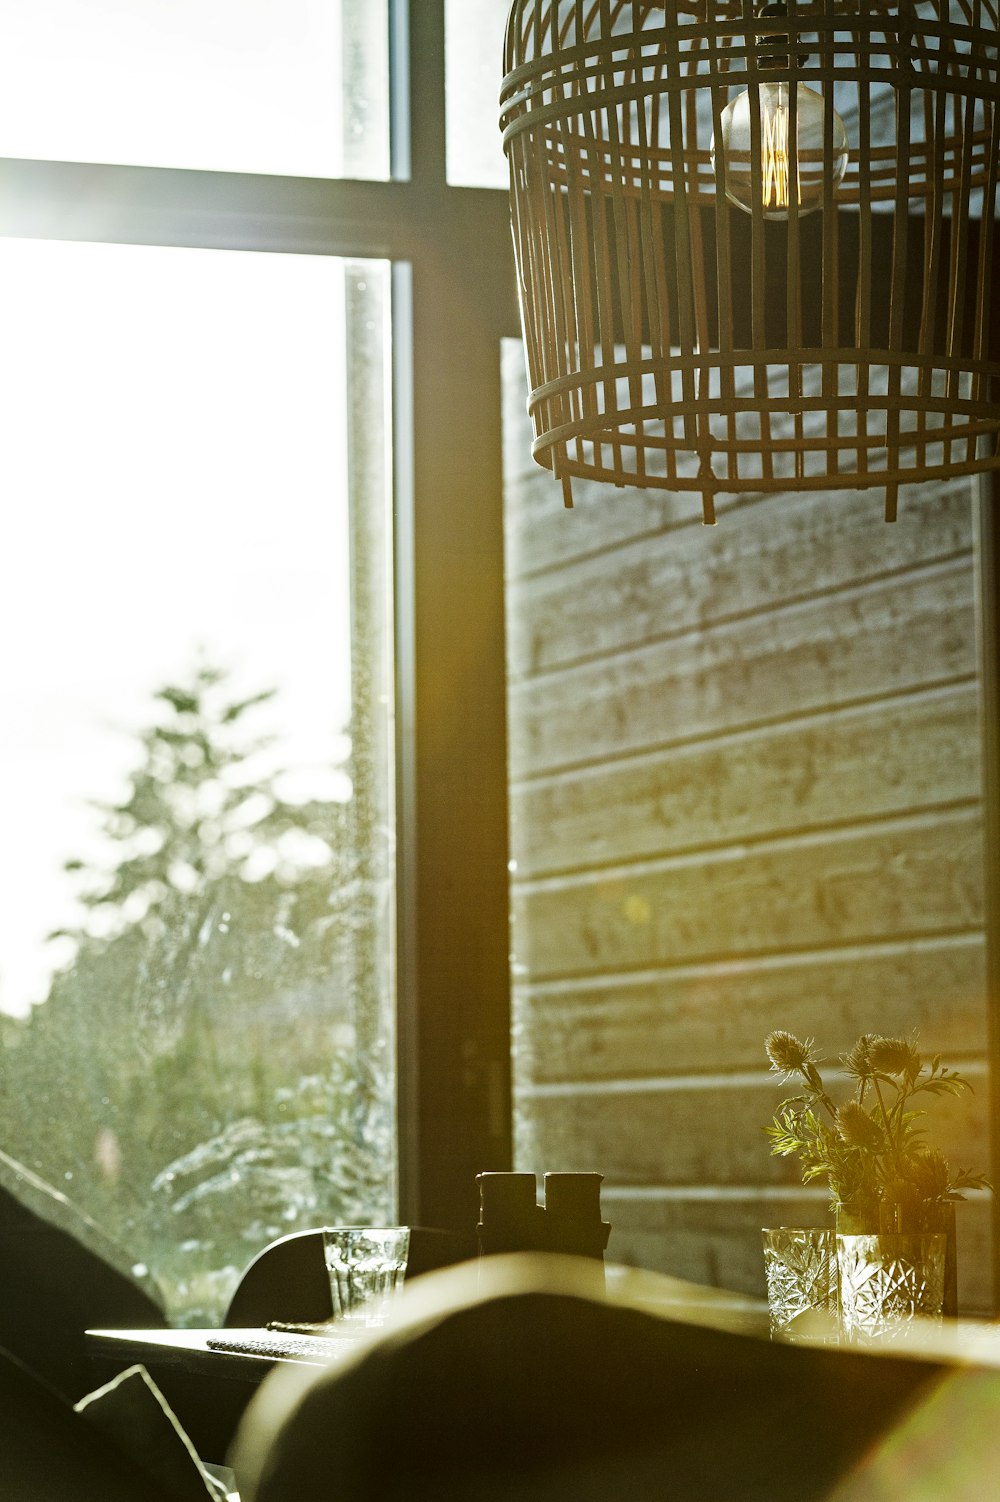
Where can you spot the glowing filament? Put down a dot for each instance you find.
(820, 150)
(774, 158)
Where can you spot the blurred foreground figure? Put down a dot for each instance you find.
(61, 1276)
(521, 1378)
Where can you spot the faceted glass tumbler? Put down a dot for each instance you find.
(800, 1264)
(887, 1283)
(366, 1265)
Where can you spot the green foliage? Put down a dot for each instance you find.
(870, 1148)
(287, 1164)
(198, 809)
(196, 1078)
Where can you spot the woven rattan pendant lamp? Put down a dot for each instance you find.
(756, 246)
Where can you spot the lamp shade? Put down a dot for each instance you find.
(756, 250)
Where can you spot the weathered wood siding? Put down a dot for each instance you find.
(745, 793)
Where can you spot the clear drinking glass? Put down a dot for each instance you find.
(366, 1266)
(887, 1282)
(800, 1264)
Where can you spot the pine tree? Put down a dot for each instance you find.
(199, 1046)
(195, 812)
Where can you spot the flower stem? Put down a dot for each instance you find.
(891, 1145)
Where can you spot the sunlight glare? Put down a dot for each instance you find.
(174, 481)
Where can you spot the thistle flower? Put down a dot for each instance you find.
(858, 1062)
(929, 1174)
(858, 1129)
(869, 1149)
(788, 1054)
(894, 1056)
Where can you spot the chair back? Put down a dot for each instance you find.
(287, 1282)
(495, 1383)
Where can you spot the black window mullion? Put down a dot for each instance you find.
(454, 1008)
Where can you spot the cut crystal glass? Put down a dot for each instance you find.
(800, 1264)
(887, 1282)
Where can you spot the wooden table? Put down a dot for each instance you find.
(207, 1389)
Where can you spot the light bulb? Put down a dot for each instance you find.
(777, 186)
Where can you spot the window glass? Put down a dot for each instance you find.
(274, 86)
(473, 74)
(196, 974)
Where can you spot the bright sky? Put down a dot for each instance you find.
(172, 477)
(171, 473)
(234, 85)
(474, 70)
(172, 466)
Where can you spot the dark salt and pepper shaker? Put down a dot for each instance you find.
(573, 1214)
(509, 1218)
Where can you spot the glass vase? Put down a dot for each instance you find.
(856, 1217)
(887, 1283)
(925, 1217)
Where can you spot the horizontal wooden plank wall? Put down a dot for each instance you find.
(745, 793)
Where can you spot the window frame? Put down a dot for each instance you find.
(453, 300)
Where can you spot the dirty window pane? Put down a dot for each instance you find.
(196, 973)
(275, 86)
